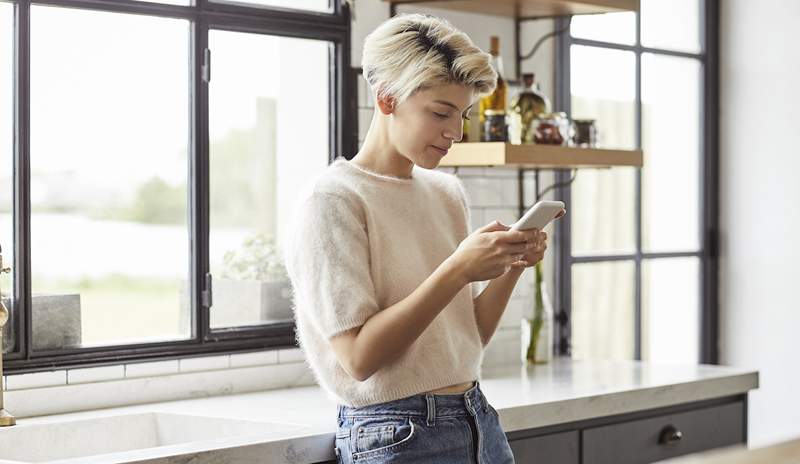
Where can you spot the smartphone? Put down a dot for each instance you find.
(539, 215)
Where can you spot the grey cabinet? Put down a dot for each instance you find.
(664, 436)
(555, 448)
(636, 438)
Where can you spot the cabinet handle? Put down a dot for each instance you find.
(669, 434)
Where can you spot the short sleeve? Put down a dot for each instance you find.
(328, 262)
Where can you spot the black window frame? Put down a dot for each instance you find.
(203, 15)
(708, 253)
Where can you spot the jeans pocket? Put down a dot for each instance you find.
(378, 435)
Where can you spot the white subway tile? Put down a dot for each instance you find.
(258, 358)
(515, 308)
(152, 369)
(471, 171)
(503, 348)
(476, 219)
(36, 380)
(95, 374)
(290, 355)
(205, 363)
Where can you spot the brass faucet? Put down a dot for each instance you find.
(6, 419)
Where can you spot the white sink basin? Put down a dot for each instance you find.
(116, 434)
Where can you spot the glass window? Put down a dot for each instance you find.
(671, 310)
(603, 310)
(7, 163)
(607, 27)
(603, 209)
(109, 165)
(269, 131)
(314, 5)
(671, 141)
(671, 24)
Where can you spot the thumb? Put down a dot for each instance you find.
(493, 226)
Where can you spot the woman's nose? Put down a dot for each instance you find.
(454, 133)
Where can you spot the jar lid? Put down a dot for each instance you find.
(494, 112)
(584, 121)
(554, 115)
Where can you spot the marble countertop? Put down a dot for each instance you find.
(525, 397)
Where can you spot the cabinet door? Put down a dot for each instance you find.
(557, 448)
(648, 440)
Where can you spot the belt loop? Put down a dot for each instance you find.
(430, 420)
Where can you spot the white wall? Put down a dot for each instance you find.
(760, 220)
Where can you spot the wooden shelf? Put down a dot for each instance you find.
(527, 8)
(537, 156)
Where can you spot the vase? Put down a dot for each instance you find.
(537, 330)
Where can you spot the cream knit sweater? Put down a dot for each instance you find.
(360, 242)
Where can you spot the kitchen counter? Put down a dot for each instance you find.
(562, 392)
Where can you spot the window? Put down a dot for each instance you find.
(638, 273)
(160, 146)
(109, 213)
(262, 115)
(6, 167)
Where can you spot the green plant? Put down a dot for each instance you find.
(257, 259)
(538, 316)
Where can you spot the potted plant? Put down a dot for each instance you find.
(253, 286)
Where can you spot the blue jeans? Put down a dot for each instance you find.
(460, 428)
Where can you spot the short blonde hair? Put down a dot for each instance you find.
(411, 52)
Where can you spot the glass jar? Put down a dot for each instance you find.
(494, 126)
(551, 129)
(585, 133)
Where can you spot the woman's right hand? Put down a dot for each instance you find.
(490, 252)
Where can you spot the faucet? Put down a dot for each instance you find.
(6, 419)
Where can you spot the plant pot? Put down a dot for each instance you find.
(56, 322)
(246, 302)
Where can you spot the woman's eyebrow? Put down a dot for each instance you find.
(451, 105)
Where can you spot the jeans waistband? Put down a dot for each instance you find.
(424, 405)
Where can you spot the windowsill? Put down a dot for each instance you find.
(82, 389)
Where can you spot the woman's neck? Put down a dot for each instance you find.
(379, 156)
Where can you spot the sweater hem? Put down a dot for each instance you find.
(411, 390)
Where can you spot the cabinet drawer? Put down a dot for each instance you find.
(642, 440)
(557, 448)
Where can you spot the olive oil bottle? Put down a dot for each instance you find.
(497, 100)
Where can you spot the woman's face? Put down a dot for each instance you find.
(427, 124)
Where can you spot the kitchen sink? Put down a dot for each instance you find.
(43, 442)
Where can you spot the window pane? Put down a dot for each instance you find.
(603, 88)
(315, 5)
(607, 27)
(109, 133)
(671, 24)
(671, 141)
(603, 310)
(671, 310)
(6, 163)
(269, 132)
(603, 214)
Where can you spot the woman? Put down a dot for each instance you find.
(385, 273)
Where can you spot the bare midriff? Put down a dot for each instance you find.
(458, 388)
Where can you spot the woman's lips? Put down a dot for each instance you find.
(442, 151)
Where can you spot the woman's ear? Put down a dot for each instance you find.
(386, 104)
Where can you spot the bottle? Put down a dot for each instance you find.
(525, 107)
(497, 100)
(537, 332)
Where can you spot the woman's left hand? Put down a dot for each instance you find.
(537, 245)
